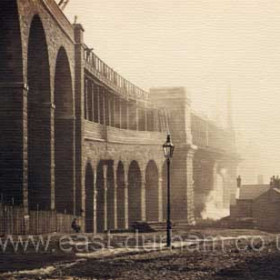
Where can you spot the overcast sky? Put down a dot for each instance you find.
(205, 46)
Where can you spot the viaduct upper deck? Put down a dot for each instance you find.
(206, 135)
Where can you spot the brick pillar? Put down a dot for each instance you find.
(86, 105)
(115, 207)
(98, 102)
(101, 106)
(126, 204)
(124, 115)
(136, 116)
(110, 110)
(127, 110)
(189, 187)
(52, 164)
(92, 101)
(41, 142)
(226, 190)
(115, 106)
(156, 117)
(143, 196)
(190, 184)
(126, 197)
(79, 114)
(50, 110)
(105, 210)
(232, 174)
(94, 211)
(214, 174)
(65, 164)
(112, 197)
(115, 196)
(125, 200)
(120, 111)
(160, 210)
(13, 142)
(182, 194)
(145, 119)
(105, 107)
(95, 193)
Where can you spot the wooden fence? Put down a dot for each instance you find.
(40, 222)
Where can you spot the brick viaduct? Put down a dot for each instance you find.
(78, 138)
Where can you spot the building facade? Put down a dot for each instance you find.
(77, 138)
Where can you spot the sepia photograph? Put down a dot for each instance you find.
(139, 139)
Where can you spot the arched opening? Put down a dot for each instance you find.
(89, 199)
(134, 193)
(152, 192)
(164, 191)
(101, 198)
(111, 196)
(64, 135)
(12, 141)
(121, 195)
(11, 67)
(39, 118)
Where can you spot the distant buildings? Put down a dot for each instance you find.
(260, 204)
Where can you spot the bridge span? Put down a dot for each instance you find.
(77, 138)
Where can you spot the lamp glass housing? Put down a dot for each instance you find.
(168, 147)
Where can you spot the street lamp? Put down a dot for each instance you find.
(168, 149)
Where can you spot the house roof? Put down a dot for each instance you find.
(251, 192)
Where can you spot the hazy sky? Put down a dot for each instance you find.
(205, 46)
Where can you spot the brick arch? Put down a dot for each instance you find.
(134, 192)
(63, 97)
(152, 191)
(39, 117)
(64, 133)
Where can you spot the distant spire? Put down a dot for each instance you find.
(229, 109)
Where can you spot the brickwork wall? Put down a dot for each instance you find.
(16, 22)
(265, 210)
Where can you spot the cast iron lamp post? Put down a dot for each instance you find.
(168, 149)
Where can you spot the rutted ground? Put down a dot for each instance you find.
(226, 262)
